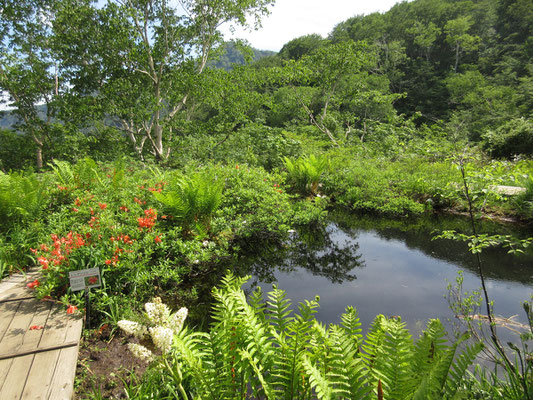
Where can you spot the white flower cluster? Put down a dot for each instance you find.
(133, 328)
(177, 319)
(162, 332)
(158, 313)
(141, 352)
(162, 338)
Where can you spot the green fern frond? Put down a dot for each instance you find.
(318, 382)
(459, 368)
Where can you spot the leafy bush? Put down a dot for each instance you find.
(512, 138)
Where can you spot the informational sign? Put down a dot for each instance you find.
(85, 279)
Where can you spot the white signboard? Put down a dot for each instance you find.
(85, 278)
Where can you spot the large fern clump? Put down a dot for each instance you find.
(192, 201)
(261, 349)
(305, 173)
(22, 197)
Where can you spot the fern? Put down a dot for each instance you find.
(305, 173)
(258, 350)
(192, 201)
(22, 197)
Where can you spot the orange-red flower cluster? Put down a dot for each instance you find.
(36, 327)
(61, 248)
(149, 220)
(122, 238)
(158, 187)
(93, 223)
(138, 201)
(34, 284)
(72, 309)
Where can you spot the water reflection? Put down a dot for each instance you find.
(405, 272)
(320, 250)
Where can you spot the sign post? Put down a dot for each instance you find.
(85, 279)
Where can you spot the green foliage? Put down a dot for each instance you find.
(268, 350)
(256, 205)
(23, 197)
(305, 174)
(192, 200)
(512, 138)
(16, 151)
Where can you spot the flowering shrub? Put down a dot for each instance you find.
(162, 327)
(104, 217)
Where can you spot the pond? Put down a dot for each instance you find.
(391, 267)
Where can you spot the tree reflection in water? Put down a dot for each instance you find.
(314, 249)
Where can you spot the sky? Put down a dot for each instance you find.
(290, 19)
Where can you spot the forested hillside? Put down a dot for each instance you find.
(462, 68)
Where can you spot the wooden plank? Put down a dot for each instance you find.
(5, 365)
(16, 378)
(5, 356)
(44, 365)
(7, 312)
(17, 329)
(13, 339)
(62, 386)
(32, 338)
(15, 286)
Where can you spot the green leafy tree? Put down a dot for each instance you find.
(28, 69)
(141, 59)
(297, 48)
(458, 37)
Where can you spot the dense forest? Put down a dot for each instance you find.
(462, 68)
(137, 140)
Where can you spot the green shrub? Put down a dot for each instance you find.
(512, 138)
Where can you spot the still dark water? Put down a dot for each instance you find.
(391, 267)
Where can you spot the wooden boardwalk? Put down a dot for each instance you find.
(35, 363)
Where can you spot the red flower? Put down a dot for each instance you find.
(72, 309)
(108, 262)
(157, 239)
(34, 284)
(103, 206)
(92, 280)
(124, 208)
(75, 210)
(36, 327)
(237, 166)
(43, 261)
(150, 212)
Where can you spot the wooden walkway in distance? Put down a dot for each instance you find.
(35, 363)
